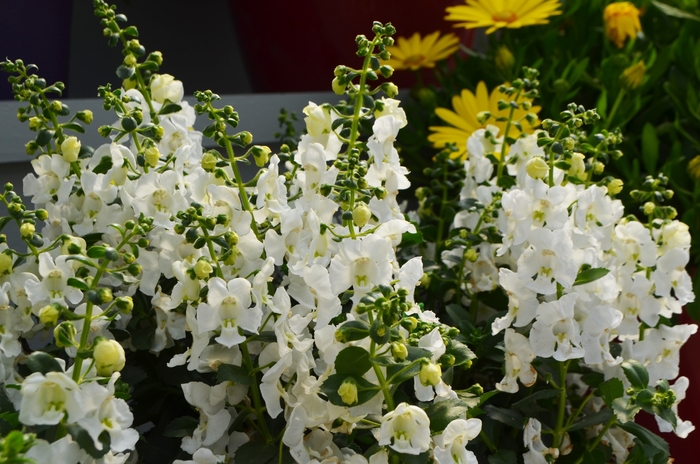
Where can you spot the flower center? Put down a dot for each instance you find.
(414, 60)
(506, 16)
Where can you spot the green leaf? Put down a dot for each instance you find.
(506, 416)
(673, 11)
(181, 427)
(44, 137)
(365, 389)
(460, 351)
(43, 363)
(74, 127)
(591, 419)
(408, 239)
(596, 456)
(650, 148)
(78, 283)
(542, 394)
(636, 373)
(353, 360)
(395, 373)
(413, 458)
(170, 108)
(610, 390)
(233, 373)
(648, 438)
(86, 442)
(257, 452)
(444, 412)
(624, 410)
(590, 275)
(503, 456)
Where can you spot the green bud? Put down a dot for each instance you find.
(261, 154)
(64, 334)
(471, 255)
(209, 161)
(203, 269)
(125, 304)
(84, 116)
(49, 314)
(399, 351)
(134, 269)
(27, 230)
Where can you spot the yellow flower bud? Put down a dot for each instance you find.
(621, 22)
(34, 123)
(348, 391)
(504, 59)
(633, 76)
(338, 88)
(48, 315)
(125, 304)
(152, 155)
(649, 208)
(430, 374)
(471, 255)
(209, 161)
(361, 214)
(615, 186)
(5, 263)
(27, 230)
(85, 116)
(109, 356)
(261, 154)
(64, 334)
(598, 167)
(70, 149)
(399, 351)
(130, 61)
(203, 269)
(129, 83)
(537, 168)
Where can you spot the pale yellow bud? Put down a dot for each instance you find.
(209, 162)
(74, 246)
(109, 357)
(129, 84)
(471, 255)
(348, 391)
(598, 167)
(361, 214)
(34, 123)
(399, 351)
(261, 154)
(649, 208)
(203, 269)
(70, 149)
(430, 374)
(338, 88)
(5, 263)
(152, 155)
(537, 168)
(27, 230)
(48, 315)
(615, 186)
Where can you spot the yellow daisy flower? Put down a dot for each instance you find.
(463, 120)
(621, 22)
(694, 167)
(633, 76)
(496, 14)
(417, 52)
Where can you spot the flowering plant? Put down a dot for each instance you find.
(303, 314)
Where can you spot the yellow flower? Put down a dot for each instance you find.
(621, 22)
(694, 167)
(633, 76)
(496, 14)
(417, 52)
(464, 119)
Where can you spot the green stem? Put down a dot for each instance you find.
(614, 109)
(501, 159)
(487, 442)
(241, 187)
(597, 440)
(255, 391)
(441, 220)
(560, 430)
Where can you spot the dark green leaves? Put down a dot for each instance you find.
(181, 427)
(636, 373)
(365, 390)
(353, 360)
(170, 108)
(43, 363)
(444, 412)
(590, 275)
(233, 373)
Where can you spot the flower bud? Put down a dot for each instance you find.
(73, 246)
(5, 263)
(598, 167)
(27, 230)
(361, 214)
(129, 83)
(31, 147)
(409, 323)
(64, 334)
(152, 155)
(203, 269)
(399, 351)
(34, 123)
(615, 186)
(537, 168)
(109, 356)
(482, 117)
(261, 154)
(100, 296)
(348, 391)
(471, 255)
(85, 116)
(130, 61)
(430, 374)
(338, 88)
(504, 59)
(649, 208)
(165, 87)
(134, 269)
(70, 149)
(56, 106)
(49, 314)
(125, 304)
(209, 161)
(231, 238)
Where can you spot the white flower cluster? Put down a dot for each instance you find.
(554, 236)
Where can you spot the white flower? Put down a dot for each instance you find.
(683, 428)
(54, 286)
(47, 398)
(522, 302)
(556, 333)
(549, 259)
(670, 273)
(537, 451)
(518, 356)
(228, 308)
(451, 444)
(165, 87)
(406, 429)
(62, 451)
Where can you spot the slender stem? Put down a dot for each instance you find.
(501, 159)
(614, 109)
(487, 442)
(597, 440)
(255, 391)
(241, 187)
(441, 220)
(560, 430)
